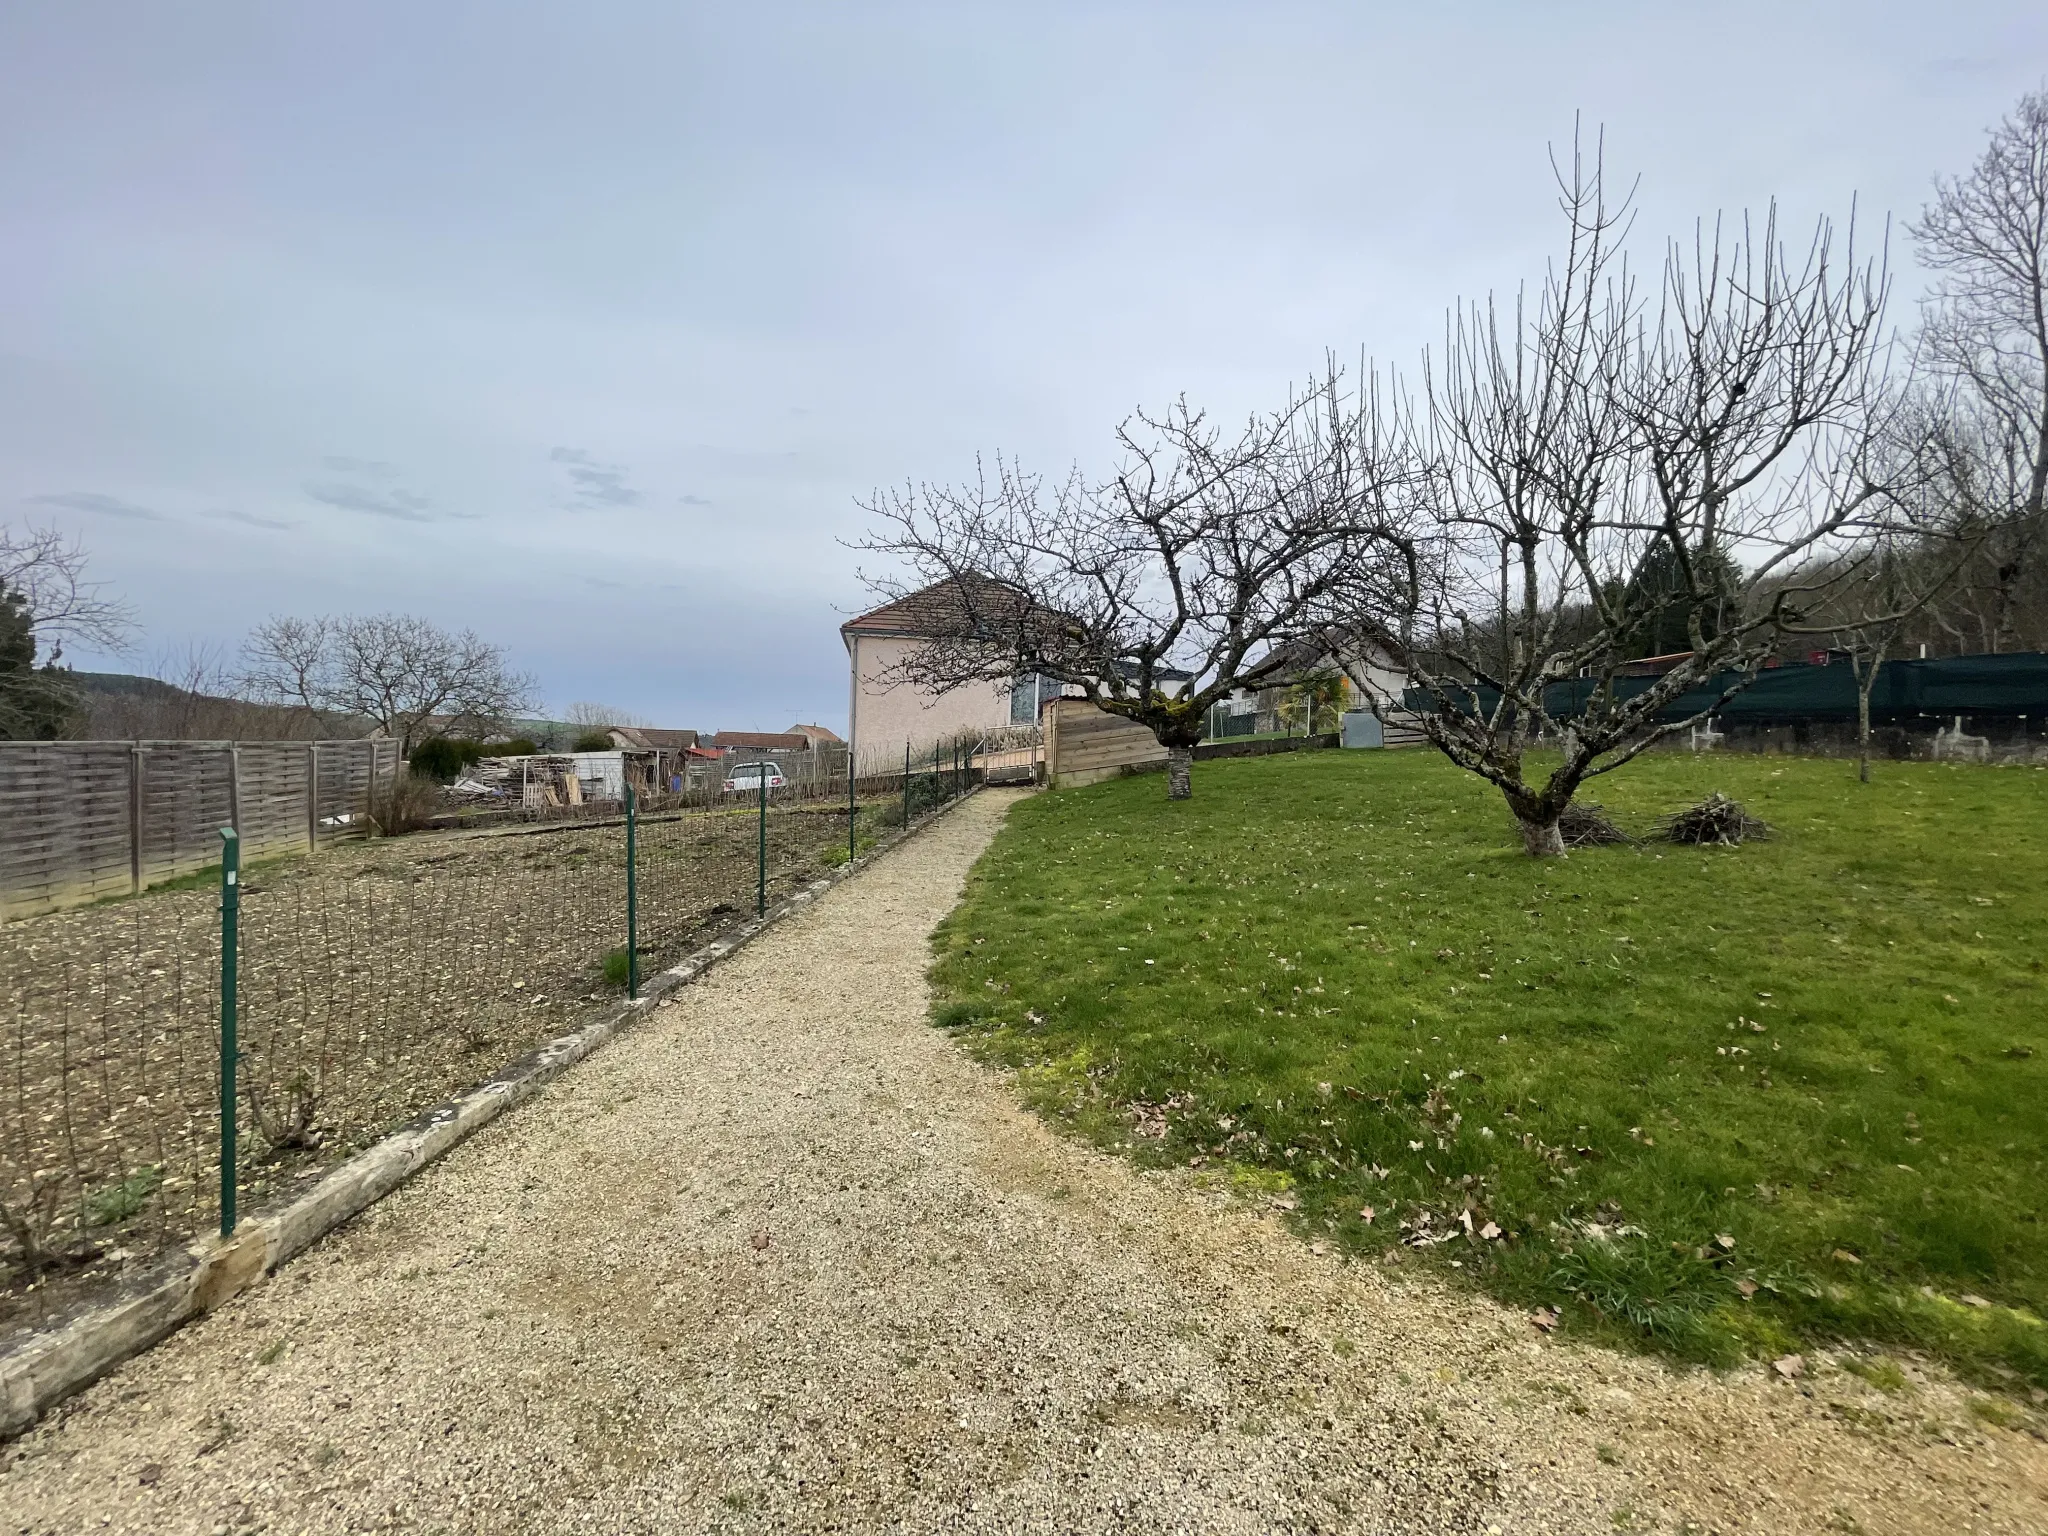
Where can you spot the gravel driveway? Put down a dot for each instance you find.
(784, 1260)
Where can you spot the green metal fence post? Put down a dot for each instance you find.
(230, 943)
(906, 786)
(852, 805)
(632, 899)
(761, 877)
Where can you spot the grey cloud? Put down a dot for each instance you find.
(697, 501)
(595, 484)
(375, 468)
(93, 501)
(396, 503)
(227, 514)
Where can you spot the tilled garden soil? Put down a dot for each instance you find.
(377, 979)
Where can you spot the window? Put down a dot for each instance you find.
(1027, 694)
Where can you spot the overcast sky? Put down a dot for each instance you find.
(585, 324)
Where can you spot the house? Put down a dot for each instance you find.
(886, 710)
(1321, 675)
(647, 738)
(668, 751)
(751, 744)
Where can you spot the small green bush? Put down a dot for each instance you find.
(518, 746)
(117, 1202)
(443, 757)
(591, 741)
(616, 967)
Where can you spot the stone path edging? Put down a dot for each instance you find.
(51, 1364)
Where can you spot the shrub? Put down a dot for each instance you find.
(518, 746)
(405, 804)
(117, 1202)
(441, 758)
(1717, 820)
(284, 1112)
(591, 741)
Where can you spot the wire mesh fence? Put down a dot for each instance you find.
(375, 981)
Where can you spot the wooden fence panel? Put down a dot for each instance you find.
(64, 811)
(80, 820)
(1084, 744)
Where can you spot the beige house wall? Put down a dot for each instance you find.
(885, 715)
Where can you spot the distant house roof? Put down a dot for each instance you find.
(947, 607)
(816, 735)
(1316, 651)
(1130, 670)
(775, 741)
(649, 738)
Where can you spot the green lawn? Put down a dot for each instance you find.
(1718, 1101)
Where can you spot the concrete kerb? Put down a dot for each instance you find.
(49, 1365)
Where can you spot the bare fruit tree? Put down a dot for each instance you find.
(1985, 330)
(406, 676)
(46, 599)
(1916, 548)
(1598, 467)
(1160, 588)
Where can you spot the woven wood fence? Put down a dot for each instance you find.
(80, 820)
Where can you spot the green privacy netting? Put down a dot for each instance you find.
(2007, 685)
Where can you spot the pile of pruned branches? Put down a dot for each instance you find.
(1716, 820)
(1584, 825)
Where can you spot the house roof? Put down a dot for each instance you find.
(1317, 650)
(648, 736)
(946, 607)
(817, 735)
(780, 741)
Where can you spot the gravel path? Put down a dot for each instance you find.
(785, 1260)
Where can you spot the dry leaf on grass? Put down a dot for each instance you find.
(759, 1240)
(1789, 1366)
(1748, 1288)
(1366, 1214)
(1544, 1318)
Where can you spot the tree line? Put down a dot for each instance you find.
(397, 675)
(1720, 458)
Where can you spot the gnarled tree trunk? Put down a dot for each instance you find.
(1536, 813)
(1180, 765)
(1541, 839)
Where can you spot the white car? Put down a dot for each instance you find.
(749, 777)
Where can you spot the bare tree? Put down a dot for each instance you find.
(601, 717)
(45, 600)
(408, 677)
(1161, 588)
(1985, 328)
(1598, 467)
(1913, 558)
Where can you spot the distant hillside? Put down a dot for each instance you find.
(125, 685)
(120, 706)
